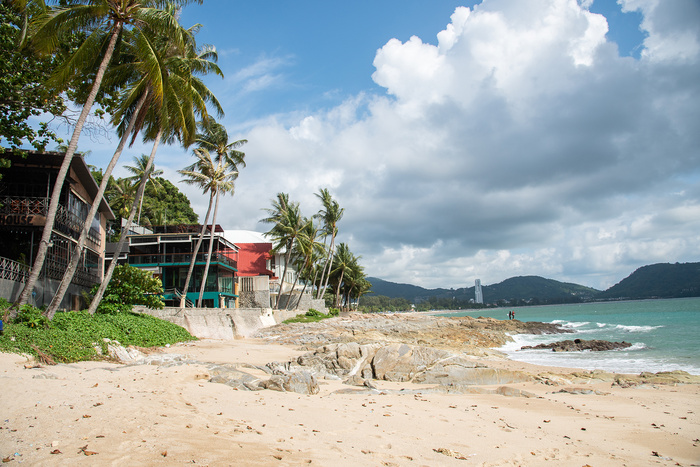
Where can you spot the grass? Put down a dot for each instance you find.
(312, 316)
(73, 336)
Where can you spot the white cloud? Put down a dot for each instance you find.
(521, 144)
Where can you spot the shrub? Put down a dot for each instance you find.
(72, 336)
(130, 286)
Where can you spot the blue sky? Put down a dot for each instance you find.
(466, 140)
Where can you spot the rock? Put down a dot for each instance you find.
(578, 345)
(301, 382)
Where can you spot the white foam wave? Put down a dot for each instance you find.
(622, 327)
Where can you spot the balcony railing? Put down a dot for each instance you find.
(180, 258)
(66, 222)
(54, 268)
(12, 270)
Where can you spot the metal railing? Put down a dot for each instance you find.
(12, 270)
(178, 294)
(66, 222)
(180, 258)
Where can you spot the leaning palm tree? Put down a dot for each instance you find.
(331, 215)
(217, 178)
(183, 97)
(308, 250)
(145, 76)
(213, 137)
(104, 22)
(139, 171)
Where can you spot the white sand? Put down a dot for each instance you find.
(96, 413)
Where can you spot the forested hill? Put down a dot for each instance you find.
(663, 280)
(528, 289)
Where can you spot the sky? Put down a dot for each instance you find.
(465, 140)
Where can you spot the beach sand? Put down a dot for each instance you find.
(99, 413)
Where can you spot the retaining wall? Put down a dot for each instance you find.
(221, 323)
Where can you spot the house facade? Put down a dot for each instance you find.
(25, 191)
(166, 252)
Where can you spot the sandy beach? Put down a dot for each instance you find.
(100, 413)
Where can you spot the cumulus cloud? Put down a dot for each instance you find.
(521, 143)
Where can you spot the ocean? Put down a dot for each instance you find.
(665, 334)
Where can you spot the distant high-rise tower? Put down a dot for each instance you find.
(479, 297)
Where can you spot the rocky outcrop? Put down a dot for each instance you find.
(474, 336)
(578, 345)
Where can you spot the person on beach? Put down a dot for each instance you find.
(510, 315)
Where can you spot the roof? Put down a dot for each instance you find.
(246, 236)
(55, 159)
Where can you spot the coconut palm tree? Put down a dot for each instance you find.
(331, 215)
(213, 137)
(343, 263)
(139, 170)
(183, 97)
(122, 193)
(288, 224)
(217, 177)
(309, 251)
(151, 64)
(103, 21)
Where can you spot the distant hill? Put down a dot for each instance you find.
(663, 280)
(524, 288)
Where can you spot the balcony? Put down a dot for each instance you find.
(32, 211)
(172, 259)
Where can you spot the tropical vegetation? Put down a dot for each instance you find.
(334, 274)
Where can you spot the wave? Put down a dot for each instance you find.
(625, 328)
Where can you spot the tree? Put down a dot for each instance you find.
(213, 137)
(331, 215)
(217, 177)
(23, 92)
(343, 263)
(178, 97)
(139, 171)
(288, 224)
(130, 286)
(122, 193)
(309, 251)
(103, 21)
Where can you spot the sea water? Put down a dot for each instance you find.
(665, 334)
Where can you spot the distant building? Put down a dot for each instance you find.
(479, 297)
(25, 191)
(166, 252)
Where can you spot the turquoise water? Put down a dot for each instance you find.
(665, 334)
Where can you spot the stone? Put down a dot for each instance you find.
(578, 345)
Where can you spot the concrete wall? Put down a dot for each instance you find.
(44, 290)
(217, 323)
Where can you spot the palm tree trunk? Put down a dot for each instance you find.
(125, 231)
(77, 250)
(193, 260)
(291, 291)
(211, 246)
(337, 291)
(63, 171)
(329, 263)
(287, 257)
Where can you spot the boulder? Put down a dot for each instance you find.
(578, 345)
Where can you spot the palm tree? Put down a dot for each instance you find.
(288, 224)
(121, 193)
(145, 74)
(331, 215)
(308, 250)
(217, 177)
(139, 171)
(103, 21)
(179, 97)
(343, 263)
(214, 137)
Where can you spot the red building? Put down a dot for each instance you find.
(254, 258)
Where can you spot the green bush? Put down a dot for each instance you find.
(130, 286)
(310, 316)
(72, 336)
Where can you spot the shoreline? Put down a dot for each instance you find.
(98, 413)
